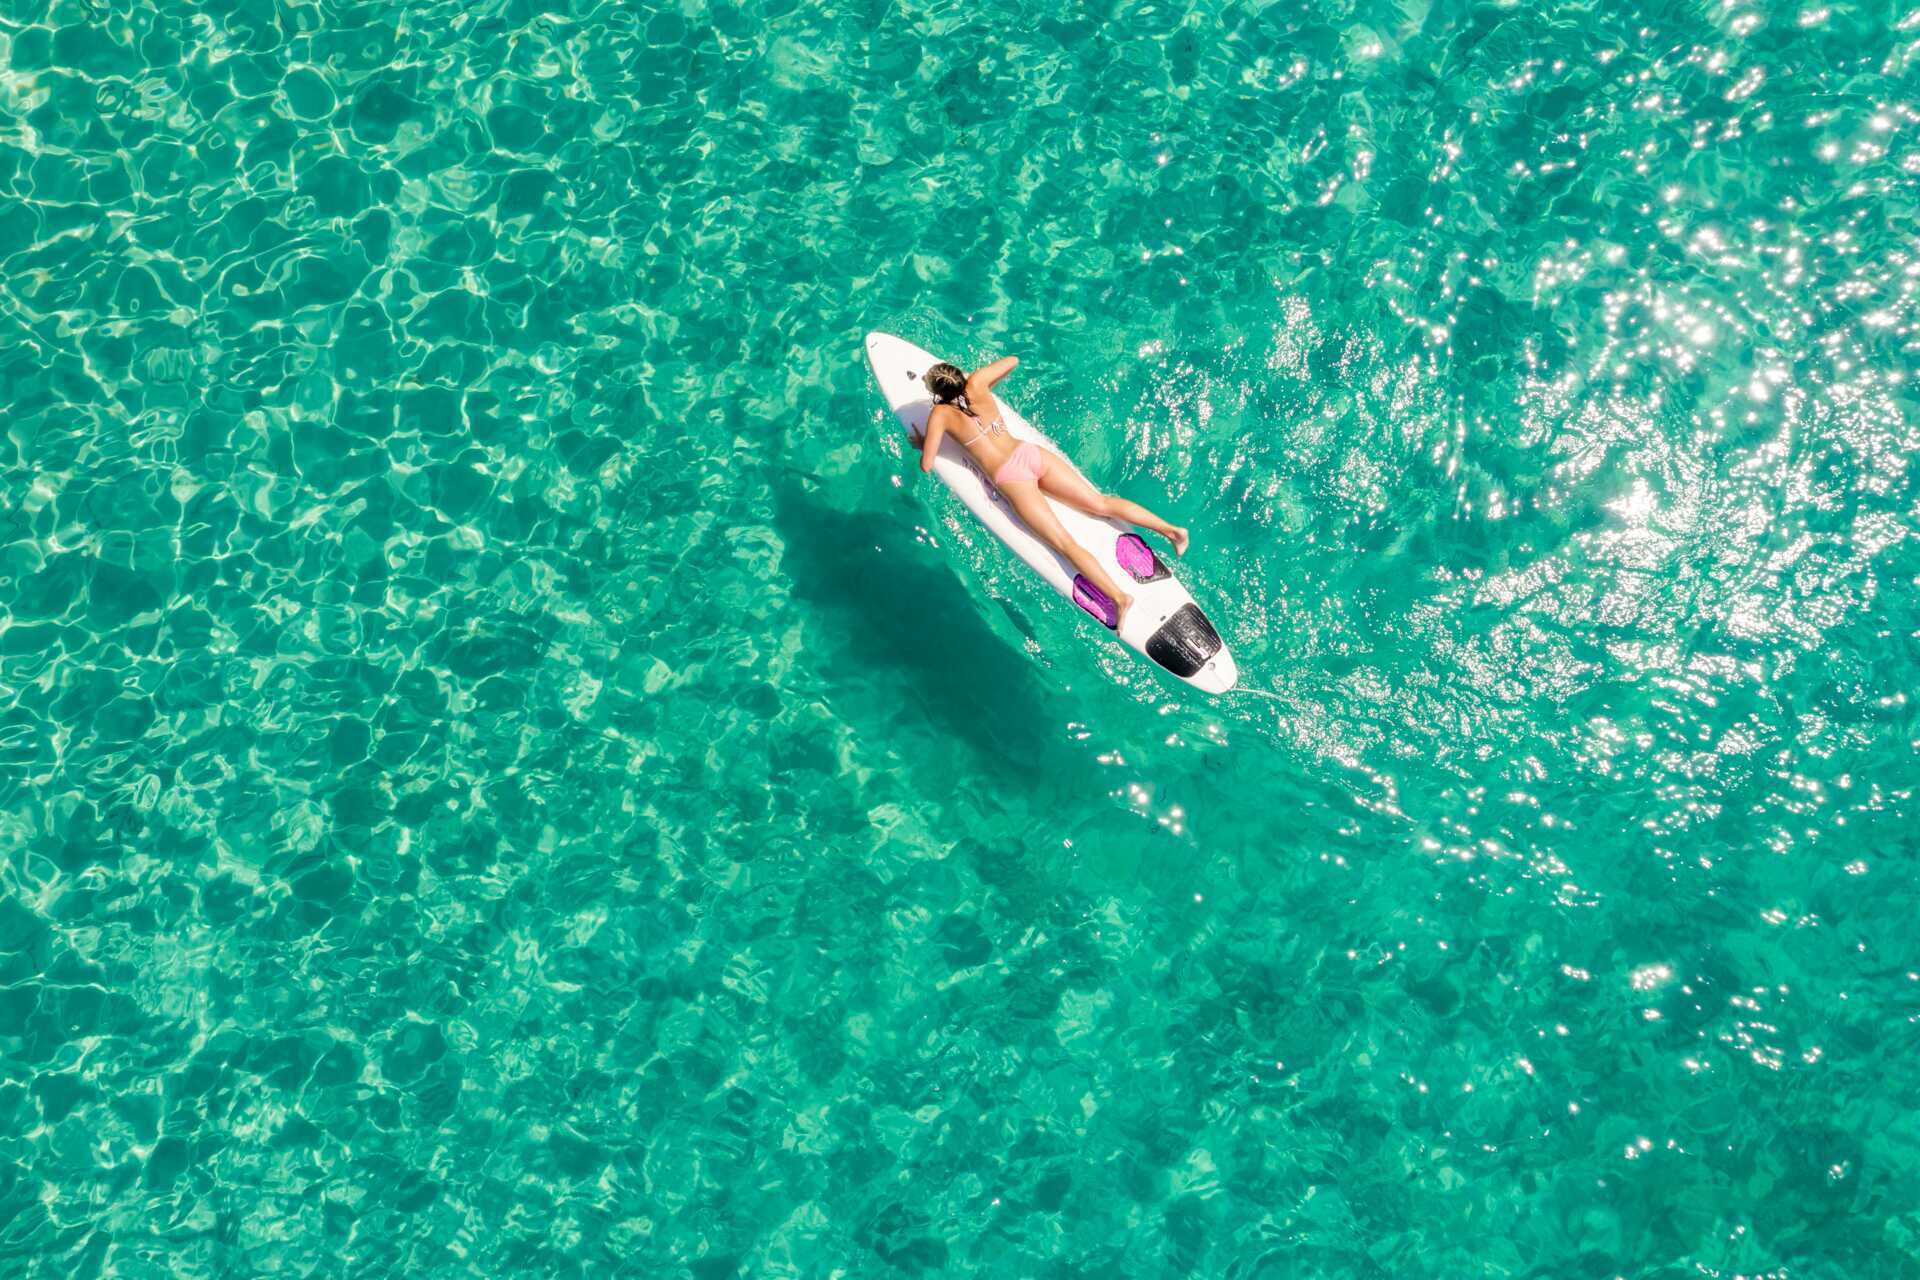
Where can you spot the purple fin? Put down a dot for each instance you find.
(1137, 558)
(1095, 602)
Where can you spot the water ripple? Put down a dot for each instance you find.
(500, 779)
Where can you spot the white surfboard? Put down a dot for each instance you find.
(1164, 624)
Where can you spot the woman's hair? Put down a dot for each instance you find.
(949, 386)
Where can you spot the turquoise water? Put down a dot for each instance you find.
(506, 775)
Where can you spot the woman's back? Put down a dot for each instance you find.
(965, 408)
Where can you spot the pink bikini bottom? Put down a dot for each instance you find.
(1027, 464)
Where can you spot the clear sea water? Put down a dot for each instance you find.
(502, 775)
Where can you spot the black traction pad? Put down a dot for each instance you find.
(1184, 642)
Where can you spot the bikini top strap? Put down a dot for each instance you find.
(976, 417)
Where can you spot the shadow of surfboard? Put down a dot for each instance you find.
(896, 625)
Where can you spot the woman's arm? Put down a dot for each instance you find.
(987, 375)
(930, 442)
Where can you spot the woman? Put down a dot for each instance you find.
(1025, 473)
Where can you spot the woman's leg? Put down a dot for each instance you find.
(1031, 506)
(1060, 481)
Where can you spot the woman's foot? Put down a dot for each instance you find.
(1179, 539)
(1121, 604)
